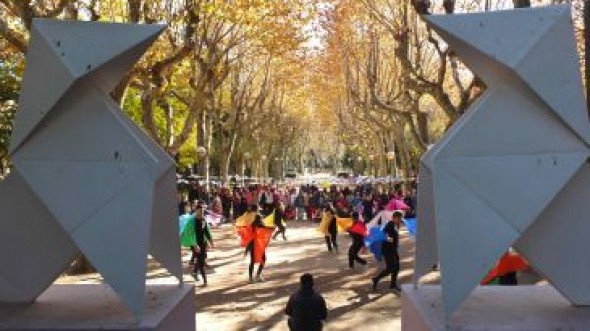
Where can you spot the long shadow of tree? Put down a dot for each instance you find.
(252, 297)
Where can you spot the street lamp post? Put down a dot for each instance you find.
(372, 165)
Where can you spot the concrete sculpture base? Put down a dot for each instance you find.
(97, 307)
(493, 308)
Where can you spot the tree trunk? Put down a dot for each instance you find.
(422, 119)
(228, 151)
(169, 125)
(202, 141)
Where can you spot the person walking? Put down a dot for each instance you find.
(257, 245)
(203, 239)
(329, 229)
(306, 308)
(280, 221)
(389, 251)
(357, 241)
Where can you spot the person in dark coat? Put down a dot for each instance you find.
(241, 206)
(389, 250)
(332, 236)
(356, 246)
(306, 308)
(203, 238)
(368, 207)
(279, 219)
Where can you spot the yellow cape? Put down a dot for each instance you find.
(325, 223)
(246, 219)
(269, 221)
(343, 223)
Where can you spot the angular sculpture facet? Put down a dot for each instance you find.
(512, 171)
(85, 177)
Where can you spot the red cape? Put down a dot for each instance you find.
(509, 262)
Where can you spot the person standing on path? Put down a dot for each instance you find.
(389, 250)
(306, 308)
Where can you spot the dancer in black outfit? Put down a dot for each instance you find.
(357, 245)
(203, 238)
(390, 254)
(279, 217)
(332, 235)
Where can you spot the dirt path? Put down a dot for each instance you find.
(231, 303)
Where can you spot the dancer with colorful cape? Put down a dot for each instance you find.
(254, 235)
(279, 221)
(196, 234)
(504, 273)
(186, 224)
(389, 250)
(187, 231)
(329, 228)
(357, 231)
(374, 240)
(203, 239)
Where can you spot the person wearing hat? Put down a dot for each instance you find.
(389, 250)
(306, 308)
(203, 238)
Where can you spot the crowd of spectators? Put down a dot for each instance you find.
(302, 202)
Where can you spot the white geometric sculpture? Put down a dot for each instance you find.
(512, 171)
(86, 178)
